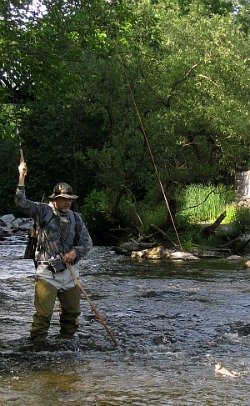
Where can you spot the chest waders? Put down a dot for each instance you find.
(46, 294)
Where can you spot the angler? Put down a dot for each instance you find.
(63, 239)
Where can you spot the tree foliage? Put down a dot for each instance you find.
(98, 89)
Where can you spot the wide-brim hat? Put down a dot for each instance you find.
(53, 196)
(63, 190)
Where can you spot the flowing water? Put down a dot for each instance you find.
(174, 323)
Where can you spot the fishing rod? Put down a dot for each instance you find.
(20, 146)
(150, 151)
(21, 154)
(80, 287)
(97, 314)
(22, 161)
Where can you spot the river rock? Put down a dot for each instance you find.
(7, 219)
(181, 255)
(152, 253)
(23, 224)
(128, 247)
(9, 225)
(161, 252)
(233, 258)
(1, 234)
(2, 223)
(247, 264)
(5, 232)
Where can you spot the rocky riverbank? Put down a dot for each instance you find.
(11, 226)
(136, 251)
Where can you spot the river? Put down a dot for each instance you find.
(174, 323)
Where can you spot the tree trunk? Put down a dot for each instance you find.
(211, 228)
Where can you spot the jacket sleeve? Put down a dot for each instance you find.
(28, 207)
(83, 242)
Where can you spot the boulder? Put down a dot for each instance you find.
(181, 255)
(247, 264)
(2, 235)
(23, 224)
(151, 253)
(9, 225)
(160, 252)
(7, 219)
(233, 258)
(128, 247)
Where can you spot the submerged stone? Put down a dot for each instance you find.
(160, 252)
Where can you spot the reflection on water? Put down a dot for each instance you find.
(174, 323)
(125, 382)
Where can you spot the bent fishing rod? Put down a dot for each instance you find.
(81, 289)
(85, 296)
(138, 114)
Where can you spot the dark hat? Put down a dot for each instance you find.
(62, 189)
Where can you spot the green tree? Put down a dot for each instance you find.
(98, 83)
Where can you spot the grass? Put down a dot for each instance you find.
(202, 203)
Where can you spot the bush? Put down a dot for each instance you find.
(107, 221)
(241, 221)
(156, 215)
(98, 215)
(191, 235)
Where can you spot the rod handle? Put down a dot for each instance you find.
(21, 156)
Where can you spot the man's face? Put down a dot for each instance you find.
(62, 204)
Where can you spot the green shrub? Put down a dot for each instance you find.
(97, 213)
(241, 221)
(126, 212)
(155, 215)
(108, 221)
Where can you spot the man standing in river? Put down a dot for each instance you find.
(63, 240)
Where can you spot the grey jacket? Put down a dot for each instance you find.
(61, 233)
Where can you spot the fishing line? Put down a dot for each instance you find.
(137, 111)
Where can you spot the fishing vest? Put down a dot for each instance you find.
(56, 236)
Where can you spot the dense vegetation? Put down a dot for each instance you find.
(128, 101)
